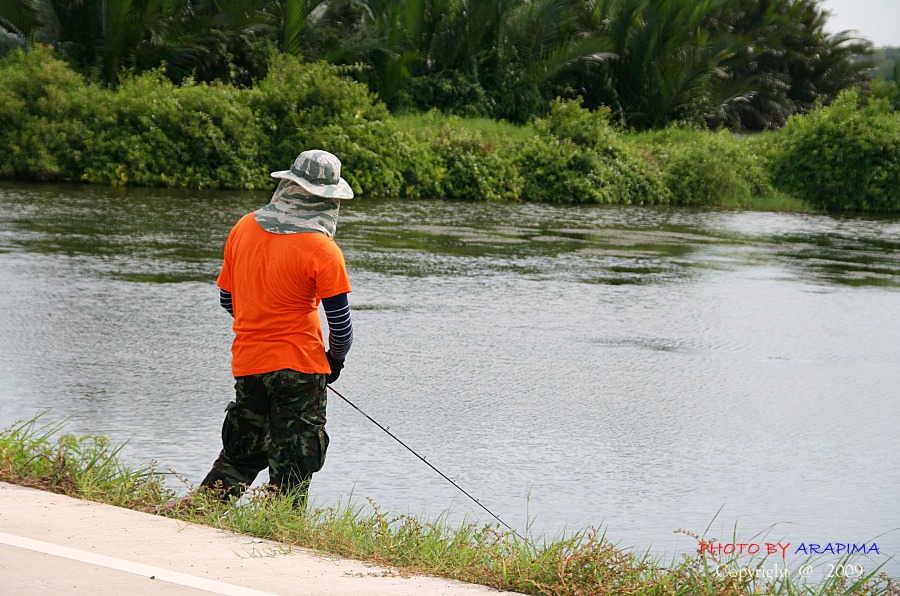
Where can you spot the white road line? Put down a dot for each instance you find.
(147, 571)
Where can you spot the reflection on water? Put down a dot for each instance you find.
(570, 366)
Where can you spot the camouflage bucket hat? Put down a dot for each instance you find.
(318, 173)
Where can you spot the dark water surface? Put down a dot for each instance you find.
(631, 368)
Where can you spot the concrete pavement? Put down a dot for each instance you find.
(52, 544)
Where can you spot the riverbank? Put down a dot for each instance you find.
(87, 468)
(57, 126)
(53, 544)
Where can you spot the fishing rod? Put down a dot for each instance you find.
(428, 463)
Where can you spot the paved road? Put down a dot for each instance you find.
(51, 544)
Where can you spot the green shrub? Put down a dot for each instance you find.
(46, 112)
(577, 157)
(296, 99)
(842, 157)
(518, 102)
(191, 135)
(422, 169)
(889, 90)
(148, 132)
(714, 169)
(372, 156)
(568, 120)
(560, 171)
(550, 170)
(451, 92)
(472, 168)
(55, 125)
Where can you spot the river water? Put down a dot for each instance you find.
(642, 370)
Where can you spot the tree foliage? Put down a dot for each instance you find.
(740, 63)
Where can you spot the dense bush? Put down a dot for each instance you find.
(588, 128)
(55, 125)
(192, 135)
(713, 169)
(577, 157)
(148, 132)
(372, 154)
(472, 168)
(296, 99)
(46, 116)
(300, 105)
(842, 157)
(451, 92)
(560, 171)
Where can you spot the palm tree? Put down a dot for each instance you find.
(201, 38)
(420, 43)
(788, 57)
(820, 65)
(193, 37)
(747, 63)
(667, 65)
(497, 57)
(385, 35)
(91, 33)
(23, 22)
(549, 49)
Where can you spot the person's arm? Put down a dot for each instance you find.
(340, 333)
(340, 327)
(225, 301)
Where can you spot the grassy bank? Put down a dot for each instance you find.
(39, 455)
(58, 126)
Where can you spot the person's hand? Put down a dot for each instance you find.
(336, 365)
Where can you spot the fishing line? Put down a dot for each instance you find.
(444, 476)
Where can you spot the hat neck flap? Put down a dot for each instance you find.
(293, 211)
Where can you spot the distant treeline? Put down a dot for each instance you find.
(887, 63)
(56, 125)
(742, 64)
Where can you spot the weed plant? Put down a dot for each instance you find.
(38, 455)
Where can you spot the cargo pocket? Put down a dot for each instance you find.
(323, 447)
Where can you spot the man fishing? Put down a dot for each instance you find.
(280, 261)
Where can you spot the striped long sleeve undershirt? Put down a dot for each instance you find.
(340, 327)
(337, 311)
(225, 301)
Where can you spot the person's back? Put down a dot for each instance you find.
(275, 281)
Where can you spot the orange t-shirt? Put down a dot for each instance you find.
(276, 282)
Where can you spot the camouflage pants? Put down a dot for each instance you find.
(277, 421)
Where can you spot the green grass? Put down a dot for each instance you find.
(38, 455)
(41, 456)
(774, 201)
(430, 125)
